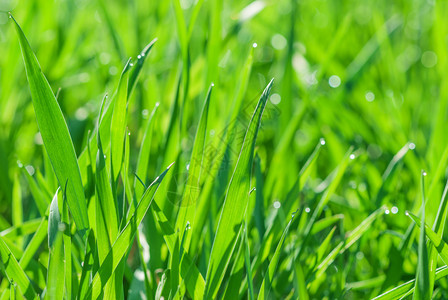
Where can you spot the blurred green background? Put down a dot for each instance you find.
(368, 74)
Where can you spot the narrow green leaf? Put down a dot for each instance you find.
(55, 273)
(235, 204)
(401, 290)
(14, 273)
(143, 156)
(124, 240)
(270, 273)
(118, 123)
(422, 291)
(187, 210)
(55, 134)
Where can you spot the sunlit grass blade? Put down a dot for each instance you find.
(187, 210)
(55, 134)
(143, 155)
(14, 273)
(405, 288)
(118, 124)
(351, 238)
(190, 274)
(335, 180)
(235, 204)
(439, 244)
(422, 277)
(124, 241)
(270, 272)
(56, 269)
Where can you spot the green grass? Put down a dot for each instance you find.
(223, 149)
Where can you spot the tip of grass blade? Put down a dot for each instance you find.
(148, 47)
(160, 177)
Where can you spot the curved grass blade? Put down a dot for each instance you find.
(143, 156)
(124, 241)
(118, 125)
(189, 272)
(187, 210)
(269, 275)
(55, 134)
(14, 273)
(403, 289)
(235, 204)
(55, 273)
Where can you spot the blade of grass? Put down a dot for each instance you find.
(14, 273)
(55, 274)
(270, 272)
(124, 240)
(421, 290)
(187, 210)
(55, 134)
(235, 204)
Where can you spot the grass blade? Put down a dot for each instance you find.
(14, 273)
(55, 274)
(235, 204)
(124, 240)
(187, 210)
(55, 134)
(269, 275)
(422, 278)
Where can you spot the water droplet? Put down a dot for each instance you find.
(322, 141)
(188, 167)
(334, 81)
(394, 210)
(30, 169)
(370, 96)
(352, 156)
(157, 104)
(411, 146)
(61, 227)
(359, 255)
(104, 156)
(424, 173)
(278, 41)
(19, 164)
(277, 204)
(255, 45)
(38, 139)
(212, 84)
(387, 211)
(139, 56)
(188, 226)
(129, 133)
(131, 64)
(145, 113)
(275, 99)
(406, 213)
(212, 132)
(307, 209)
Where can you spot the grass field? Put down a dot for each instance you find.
(223, 149)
